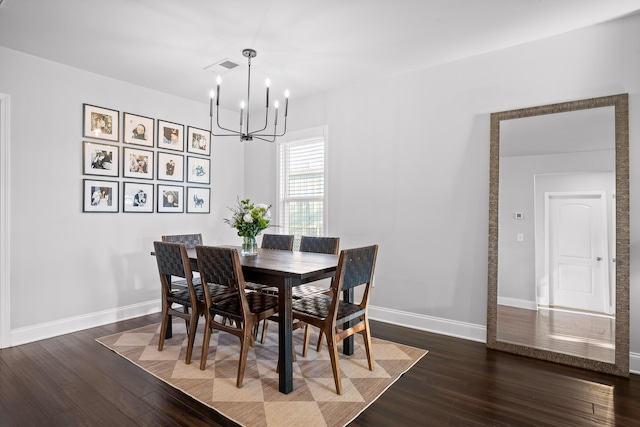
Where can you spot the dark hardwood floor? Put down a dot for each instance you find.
(72, 380)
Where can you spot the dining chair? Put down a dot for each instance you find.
(336, 318)
(282, 242)
(173, 261)
(190, 241)
(221, 266)
(323, 245)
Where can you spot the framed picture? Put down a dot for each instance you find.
(100, 196)
(170, 136)
(170, 167)
(198, 170)
(138, 130)
(137, 163)
(198, 141)
(101, 123)
(198, 199)
(137, 197)
(170, 198)
(100, 159)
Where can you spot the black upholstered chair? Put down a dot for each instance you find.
(322, 245)
(338, 319)
(173, 261)
(190, 241)
(221, 266)
(282, 242)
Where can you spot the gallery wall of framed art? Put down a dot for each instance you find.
(143, 165)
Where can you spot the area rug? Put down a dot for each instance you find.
(313, 402)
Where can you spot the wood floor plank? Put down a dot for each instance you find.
(459, 383)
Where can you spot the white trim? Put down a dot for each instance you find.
(72, 324)
(452, 328)
(518, 303)
(5, 224)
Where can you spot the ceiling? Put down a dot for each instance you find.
(308, 47)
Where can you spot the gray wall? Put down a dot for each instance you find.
(409, 166)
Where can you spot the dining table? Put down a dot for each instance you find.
(284, 270)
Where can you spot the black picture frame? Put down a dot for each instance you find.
(138, 130)
(100, 196)
(100, 123)
(170, 136)
(100, 159)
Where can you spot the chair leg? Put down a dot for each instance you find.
(335, 366)
(319, 345)
(244, 350)
(205, 344)
(163, 328)
(307, 336)
(263, 338)
(366, 334)
(191, 335)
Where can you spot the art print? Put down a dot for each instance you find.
(170, 167)
(137, 163)
(137, 197)
(138, 130)
(170, 136)
(198, 170)
(198, 199)
(100, 196)
(170, 198)
(100, 159)
(101, 123)
(198, 141)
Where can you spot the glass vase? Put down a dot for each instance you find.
(249, 246)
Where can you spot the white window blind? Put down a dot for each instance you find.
(302, 190)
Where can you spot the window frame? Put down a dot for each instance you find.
(299, 137)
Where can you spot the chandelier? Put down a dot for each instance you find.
(243, 132)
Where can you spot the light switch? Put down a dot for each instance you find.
(520, 237)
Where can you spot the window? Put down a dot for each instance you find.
(301, 184)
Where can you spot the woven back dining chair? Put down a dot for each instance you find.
(173, 261)
(336, 318)
(282, 242)
(221, 266)
(190, 241)
(323, 245)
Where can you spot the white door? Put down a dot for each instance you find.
(578, 256)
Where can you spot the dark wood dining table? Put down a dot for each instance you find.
(285, 269)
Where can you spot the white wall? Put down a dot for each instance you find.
(409, 164)
(71, 269)
(408, 158)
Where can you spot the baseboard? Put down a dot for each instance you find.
(437, 325)
(452, 328)
(64, 326)
(517, 303)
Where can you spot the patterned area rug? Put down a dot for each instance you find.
(313, 402)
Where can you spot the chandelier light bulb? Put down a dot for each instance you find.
(218, 80)
(267, 82)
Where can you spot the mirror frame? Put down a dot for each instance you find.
(620, 102)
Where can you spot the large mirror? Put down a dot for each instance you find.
(559, 233)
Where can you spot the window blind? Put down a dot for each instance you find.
(302, 187)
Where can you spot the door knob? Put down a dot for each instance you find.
(598, 258)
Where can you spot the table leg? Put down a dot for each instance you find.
(169, 332)
(347, 343)
(285, 337)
